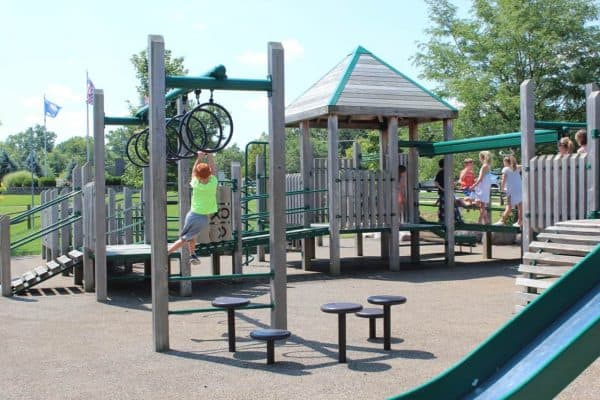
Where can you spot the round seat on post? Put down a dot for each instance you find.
(230, 304)
(341, 309)
(386, 301)
(372, 314)
(270, 336)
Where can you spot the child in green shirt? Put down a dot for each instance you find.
(204, 203)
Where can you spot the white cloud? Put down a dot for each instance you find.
(199, 27)
(292, 48)
(253, 58)
(62, 94)
(257, 104)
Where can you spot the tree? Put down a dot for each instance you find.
(173, 66)
(481, 61)
(6, 164)
(37, 139)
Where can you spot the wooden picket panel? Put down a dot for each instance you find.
(557, 190)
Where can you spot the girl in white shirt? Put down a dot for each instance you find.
(511, 183)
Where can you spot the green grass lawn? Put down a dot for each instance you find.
(13, 205)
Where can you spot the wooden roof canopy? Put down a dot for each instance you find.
(363, 90)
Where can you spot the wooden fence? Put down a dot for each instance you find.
(558, 189)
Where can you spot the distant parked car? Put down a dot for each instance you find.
(428, 185)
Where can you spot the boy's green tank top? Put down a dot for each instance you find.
(204, 196)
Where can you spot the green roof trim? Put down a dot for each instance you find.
(349, 68)
(500, 141)
(410, 80)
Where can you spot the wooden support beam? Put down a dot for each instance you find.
(158, 189)
(306, 166)
(393, 244)
(278, 261)
(527, 153)
(5, 272)
(100, 277)
(449, 196)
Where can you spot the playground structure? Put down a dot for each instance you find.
(576, 183)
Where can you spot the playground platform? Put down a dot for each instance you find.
(58, 342)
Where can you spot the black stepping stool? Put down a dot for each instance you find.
(372, 314)
(341, 309)
(387, 302)
(270, 336)
(230, 304)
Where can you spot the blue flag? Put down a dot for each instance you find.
(51, 109)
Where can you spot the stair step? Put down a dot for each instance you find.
(65, 261)
(525, 297)
(53, 266)
(17, 284)
(41, 271)
(572, 230)
(29, 278)
(560, 248)
(76, 255)
(551, 259)
(535, 283)
(583, 223)
(569, 239)
(543, 270)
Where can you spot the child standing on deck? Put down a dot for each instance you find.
(511, 183)
(483, 186)
(204, 203)
(467, 177)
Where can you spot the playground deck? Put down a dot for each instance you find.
(58, 342)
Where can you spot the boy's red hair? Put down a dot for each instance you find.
(202, 171)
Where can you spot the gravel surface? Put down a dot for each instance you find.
(59, 343)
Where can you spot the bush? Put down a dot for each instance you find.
(113, 180)
(27, 182)
(15, 179)
(47, 181)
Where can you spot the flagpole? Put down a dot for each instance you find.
(45, 154)
(87, 118)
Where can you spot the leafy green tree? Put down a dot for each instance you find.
(33, 139)
(6, 164)
(225, 157)
(173, 66)
(481, 60)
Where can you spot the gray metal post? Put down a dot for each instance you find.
(278, 262)
(449, 195)
(183, 183)
(99, 202)
(146, 195)
(236, 217)
(5, 278)
(593, 147)
(261, 203)
(87, 221)
(333, 201)
(356, 157)
(394, 237)
(158, 198)
(306, 166)
(383, 166)
(527, 153)
(127, 216)
(77, 226)
(412, 191)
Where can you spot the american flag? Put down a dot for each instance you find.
(90, 92)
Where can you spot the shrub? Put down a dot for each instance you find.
(47, 181)
(15, 179)
(26, 183)
(113, 180)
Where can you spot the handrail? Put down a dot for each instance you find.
(20, 218)
(45, 231)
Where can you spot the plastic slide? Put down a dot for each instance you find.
(538, 352)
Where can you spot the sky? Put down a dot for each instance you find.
(47, 49)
